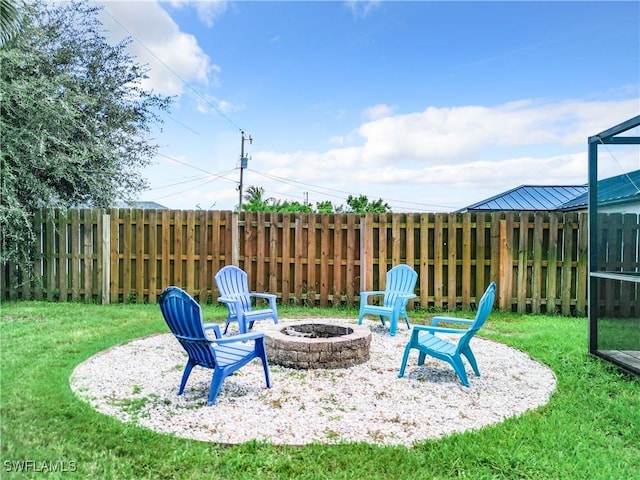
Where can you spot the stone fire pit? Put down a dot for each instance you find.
(309, 344)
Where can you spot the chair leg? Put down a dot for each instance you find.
(405, 357)
(458, 366)
(421, 357)
(242, 324)
(382, 320)
(393, 321)
(265, 367)
(472, 360)
(216, 385)
(262, 353)
(406, 319)
(187, 371)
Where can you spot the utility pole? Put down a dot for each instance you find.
(243, 164)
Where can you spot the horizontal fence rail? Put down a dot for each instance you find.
(538, 259)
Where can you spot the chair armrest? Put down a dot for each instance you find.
(365, 295)
(228, 299)
(429, 328)
(464, 321)
(406, 296)
(244, 337)
(214, 327)
(232, 300)
(262, 295)
(267, 296)
(402, 299)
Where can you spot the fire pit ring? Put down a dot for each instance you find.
(312, 344)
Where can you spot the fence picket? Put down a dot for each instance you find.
(312, 286)
(286, 255)
(324, 254)
(438, 253)
(552, 264)
(536, 272)
(452, 260)
(583, 263)
(480, 255)
(567, 263)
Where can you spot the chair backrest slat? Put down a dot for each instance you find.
(232, 282)
(400, 280)
(183, 316)
(485, 305)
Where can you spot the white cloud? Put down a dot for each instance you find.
(208, 10)
(362, 8)
(173, 57)
(457, 156)
(459, 134)
(378, 111)
(206, 103)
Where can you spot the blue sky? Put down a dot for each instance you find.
(430, 106)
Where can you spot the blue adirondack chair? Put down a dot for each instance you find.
(399, 287)
(234, 293)
(424, 340)
(224, 355)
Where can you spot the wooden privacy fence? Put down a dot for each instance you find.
(538, 259)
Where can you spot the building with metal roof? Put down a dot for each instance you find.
(614, 193)
(529, 197)
(620, 194)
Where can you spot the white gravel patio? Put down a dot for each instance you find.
(137, 382)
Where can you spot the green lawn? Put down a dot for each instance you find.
(589, 430)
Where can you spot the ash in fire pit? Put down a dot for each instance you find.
(304, 345)
(317, 330)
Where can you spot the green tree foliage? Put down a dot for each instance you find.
(9, 20)
(324, 207)
(361, 204)
(256, 202)
(75, 121)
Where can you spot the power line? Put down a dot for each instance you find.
(196, 179)
(198, 168)
(223, 115)
(619, 164)
(182, 124)
(306, 185)
(296, 183)
(196, 92)
(172, 71)
(183, 191)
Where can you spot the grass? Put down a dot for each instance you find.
(618, 333)
(589, 430)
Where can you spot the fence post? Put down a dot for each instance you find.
(235, 239)
(506, 269)
(105, 255)
(366, 252)
(583, 264)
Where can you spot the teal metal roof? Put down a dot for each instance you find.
(530, 197)
(618, 189)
